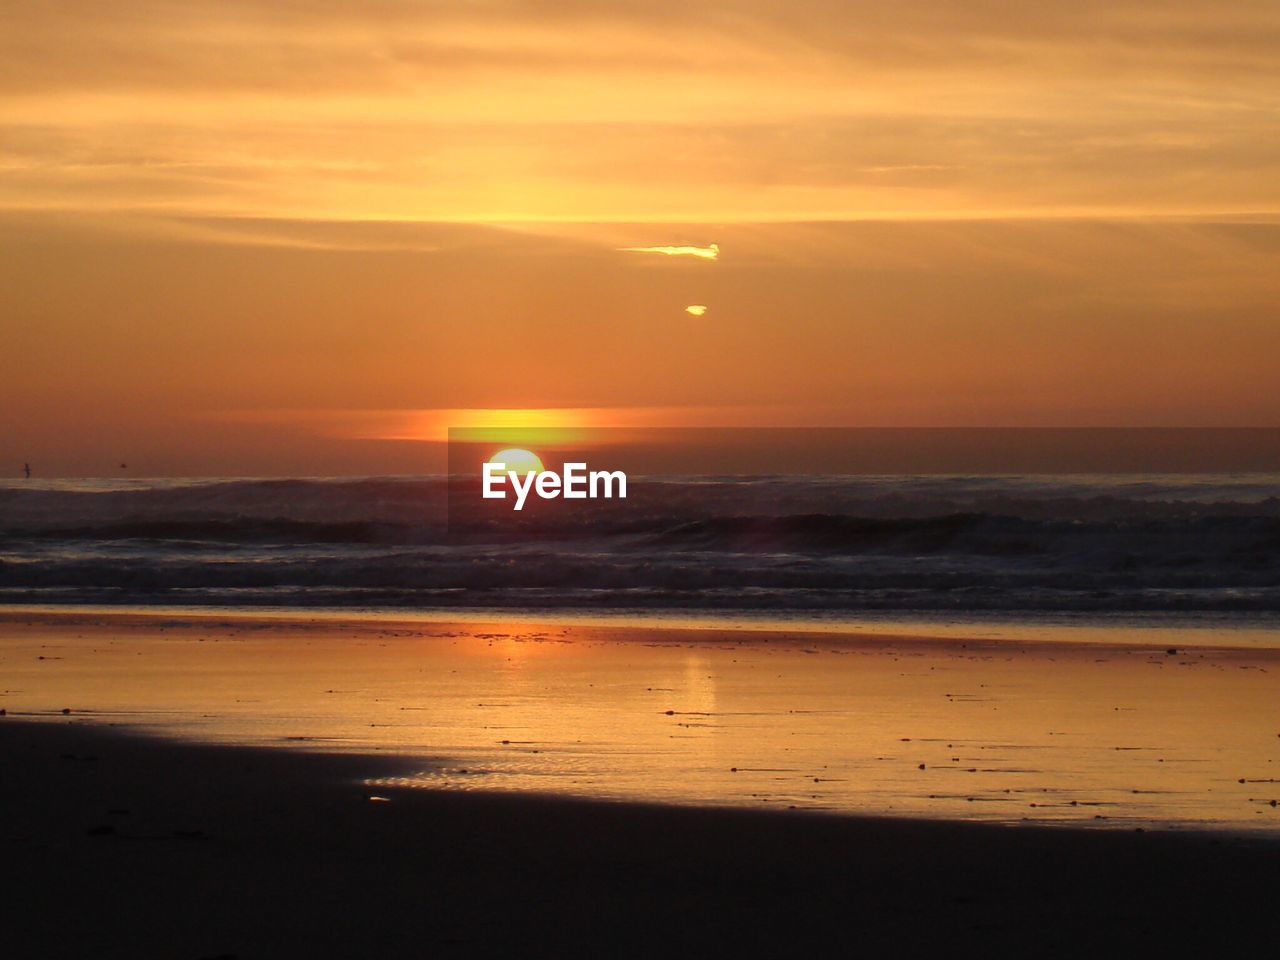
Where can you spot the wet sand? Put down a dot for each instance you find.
(1115, 735)
(129, 847)
(232, 786)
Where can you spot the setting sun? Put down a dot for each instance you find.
(518, 461)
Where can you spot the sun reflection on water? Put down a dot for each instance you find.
(980, 730)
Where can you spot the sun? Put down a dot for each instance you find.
(518, 461)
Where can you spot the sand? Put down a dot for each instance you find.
(229, 786)
(122, 846)
(1115, 735)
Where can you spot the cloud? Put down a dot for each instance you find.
(695, 309)
(625, 111)
(711, 252)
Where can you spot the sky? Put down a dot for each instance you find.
(264, 237)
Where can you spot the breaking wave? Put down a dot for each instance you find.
(1088, 543)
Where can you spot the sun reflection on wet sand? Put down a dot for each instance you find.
(1127, 734)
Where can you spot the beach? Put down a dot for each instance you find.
(1114, 727)
(234, 784)
(118, 846)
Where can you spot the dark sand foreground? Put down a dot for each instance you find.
(116, 846)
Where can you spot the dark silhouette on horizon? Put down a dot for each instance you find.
(26, 470)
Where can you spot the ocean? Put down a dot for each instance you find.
(1179, 546)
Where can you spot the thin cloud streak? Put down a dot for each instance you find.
(711, 252)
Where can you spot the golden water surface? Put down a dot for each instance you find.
(1125, 733)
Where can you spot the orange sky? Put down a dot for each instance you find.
(253, 237)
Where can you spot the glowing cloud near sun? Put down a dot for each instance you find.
(695, 309)
(711, 252)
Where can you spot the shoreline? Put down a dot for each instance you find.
(873, 633)
(139, 847)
